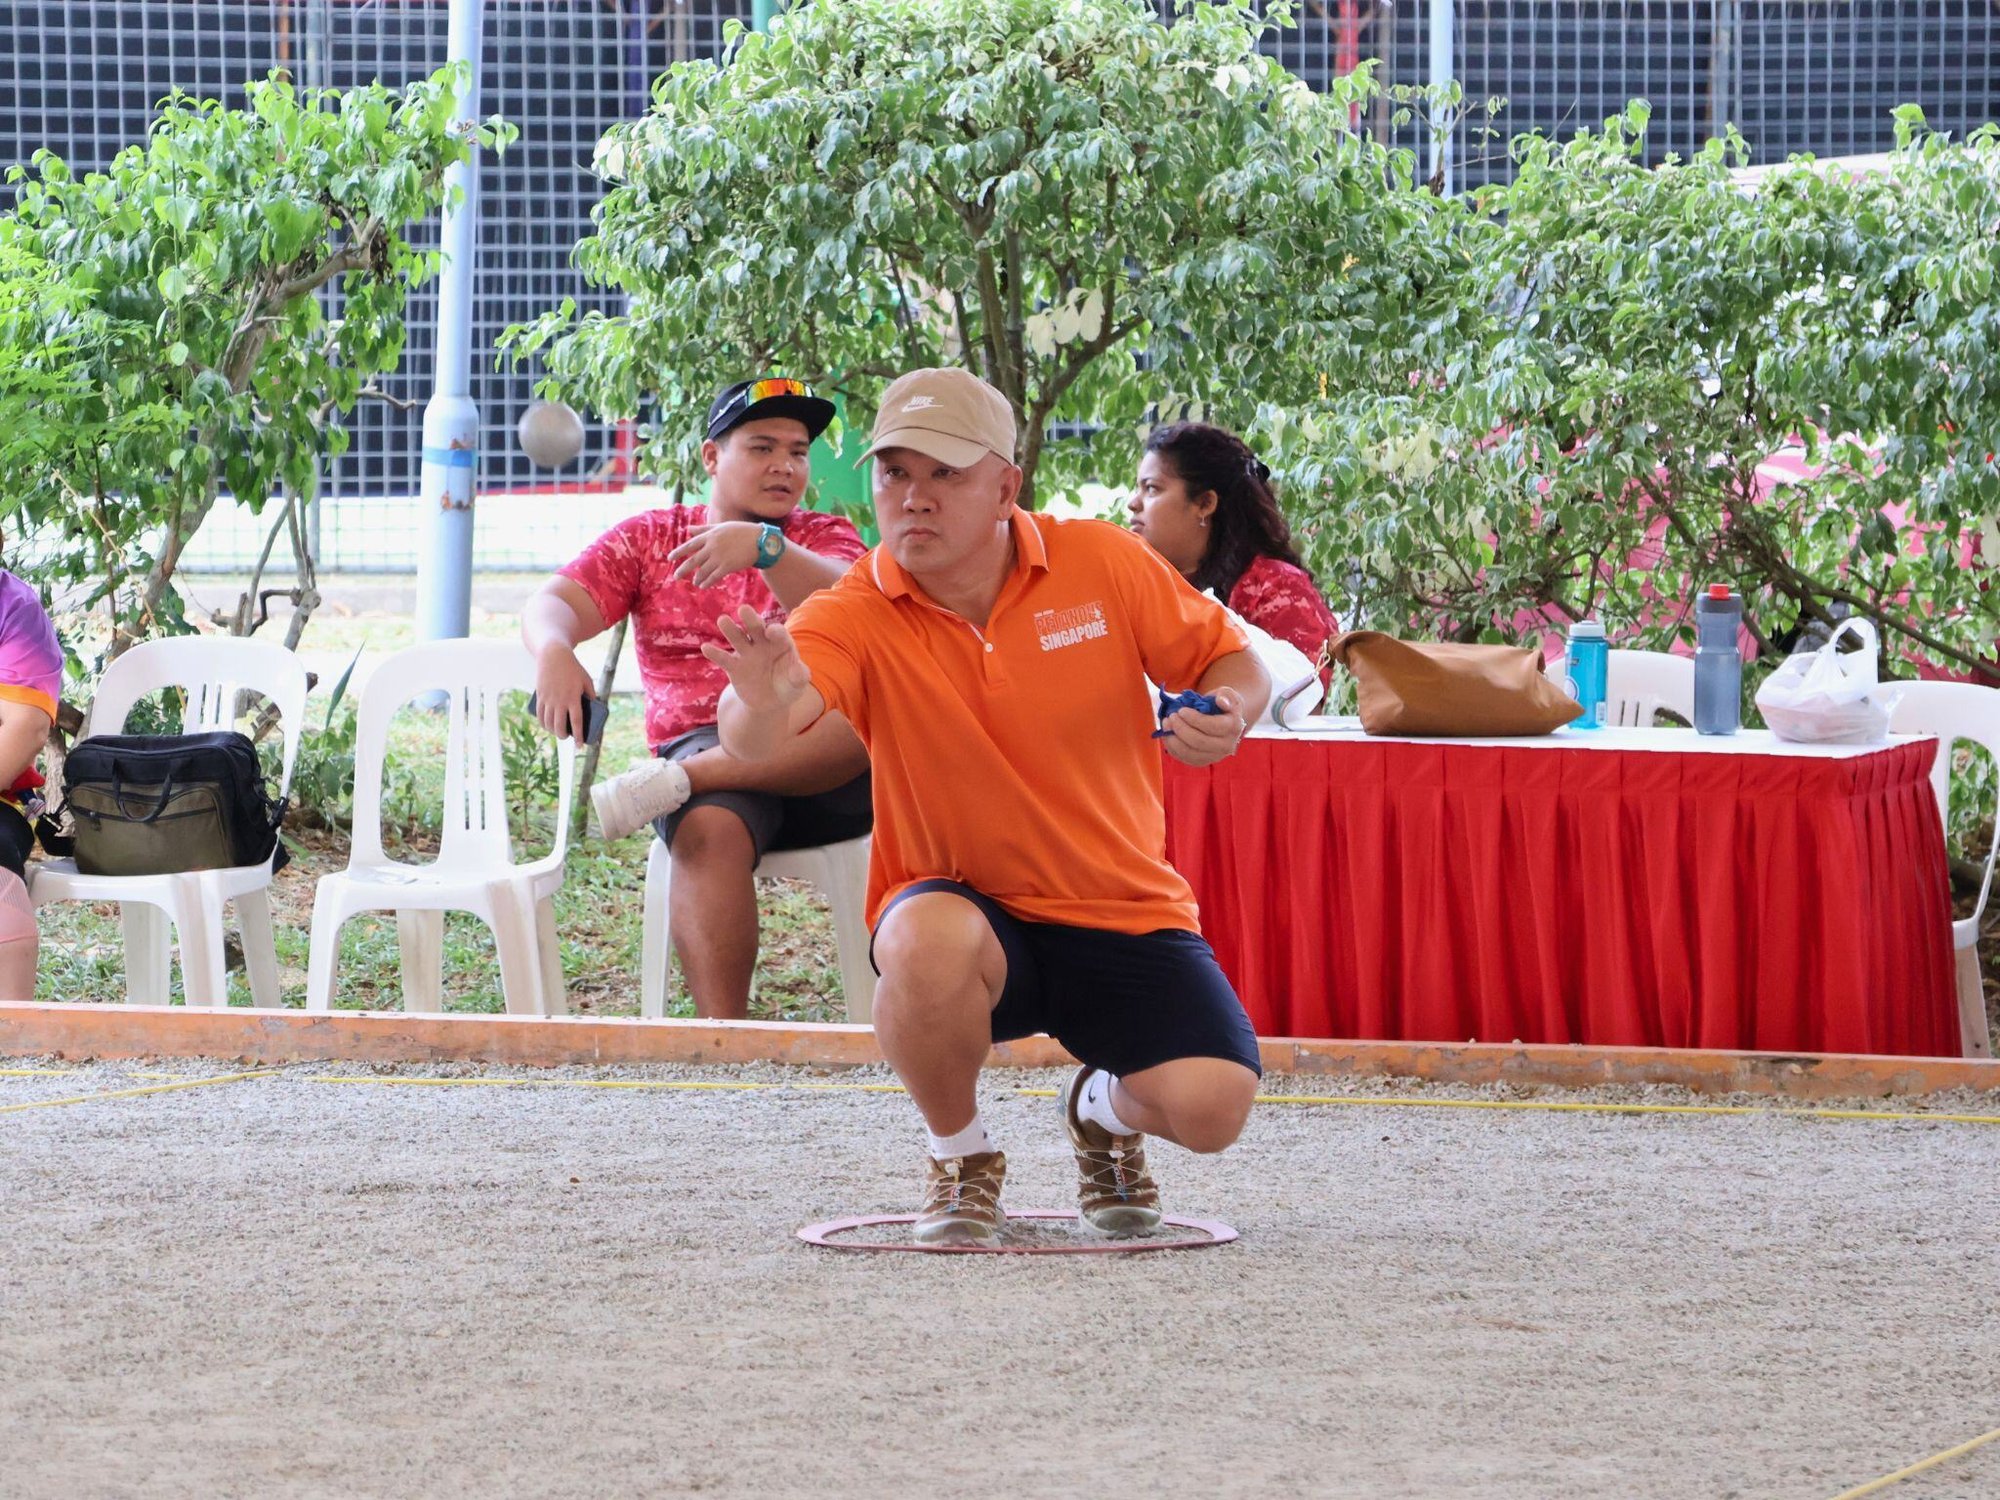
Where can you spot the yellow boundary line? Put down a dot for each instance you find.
(158, 1088)
(1573, 1106)
(1875, 1485)
(1563, 1106)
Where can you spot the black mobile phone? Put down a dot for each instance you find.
(594, 712)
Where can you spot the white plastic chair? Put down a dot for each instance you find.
(1958, 711)
(474, 870)
(215, 671)
(1638, 685)
(841, 873)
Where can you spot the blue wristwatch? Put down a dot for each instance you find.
(770, 545)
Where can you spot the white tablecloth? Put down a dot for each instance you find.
(1675, 740)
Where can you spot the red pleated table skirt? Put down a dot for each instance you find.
(1771, 897)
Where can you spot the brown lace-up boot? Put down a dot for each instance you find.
(1113, 1188)
(962, 1200)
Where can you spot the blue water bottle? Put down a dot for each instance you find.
(1589, 665)
(1718, 666)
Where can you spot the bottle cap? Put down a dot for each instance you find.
(1718, 591)
(1588, 629)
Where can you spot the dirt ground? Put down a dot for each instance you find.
(300, 1287)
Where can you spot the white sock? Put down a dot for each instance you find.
(1095, 1105)
(967, 1142)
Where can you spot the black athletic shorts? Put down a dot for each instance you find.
(17, 839)
(1120, 1001)
(774, 821)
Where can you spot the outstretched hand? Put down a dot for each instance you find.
(1197, 739)
(763, 665)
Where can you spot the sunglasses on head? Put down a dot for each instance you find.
(764, 390)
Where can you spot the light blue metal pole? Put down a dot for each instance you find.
(1440, 75)
(451, 420)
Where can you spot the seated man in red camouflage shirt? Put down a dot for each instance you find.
(674, 571)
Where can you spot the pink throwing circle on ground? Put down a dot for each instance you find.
(1033, 1231)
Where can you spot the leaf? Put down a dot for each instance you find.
(289, 227)
(1090, 316)
(176, 211)
(340, 685)
(173, 284)
(1039, 334)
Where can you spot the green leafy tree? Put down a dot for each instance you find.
(183, 345)
(1630, 346)
(1109, 217)
(40, 375)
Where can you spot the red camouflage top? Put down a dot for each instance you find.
(627, 571)
(1279, 598)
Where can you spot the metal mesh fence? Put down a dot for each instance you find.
(81, 78)
(1824, 77)
(1793, 75)
(86, 78)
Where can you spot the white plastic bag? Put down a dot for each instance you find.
(1291, 672)
(1829, 696)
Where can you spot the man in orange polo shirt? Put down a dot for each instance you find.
(995, 663)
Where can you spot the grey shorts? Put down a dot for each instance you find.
(775, 821)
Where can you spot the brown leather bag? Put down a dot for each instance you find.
(1425, 688)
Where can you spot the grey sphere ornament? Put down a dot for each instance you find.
(551, 434)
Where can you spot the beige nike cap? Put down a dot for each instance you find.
(950, 415)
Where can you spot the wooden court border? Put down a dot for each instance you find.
(267, 1038)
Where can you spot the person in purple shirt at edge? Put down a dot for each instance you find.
(1203, 501)
(30, 679)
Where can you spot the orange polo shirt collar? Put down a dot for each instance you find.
(1030, 551)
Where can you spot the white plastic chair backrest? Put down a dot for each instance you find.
(473, 676)
(1639, 684)
(1952, 711)
(214, 671)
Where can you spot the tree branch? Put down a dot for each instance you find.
(964, 330)
(305, 599)
(180, 531)
(401, 403)
(909, 321)
(352, 256)
(244, 624)
(1080, 360)
(1010, 245)
(992, 309)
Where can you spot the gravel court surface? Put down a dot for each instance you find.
(287, 1287)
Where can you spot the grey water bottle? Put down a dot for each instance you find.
(1718, 669)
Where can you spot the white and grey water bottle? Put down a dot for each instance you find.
(1718, 668)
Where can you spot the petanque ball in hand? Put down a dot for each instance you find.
(551, 434)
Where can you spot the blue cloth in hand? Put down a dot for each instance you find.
(1199, 702)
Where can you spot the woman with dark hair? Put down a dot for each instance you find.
(1204, 502)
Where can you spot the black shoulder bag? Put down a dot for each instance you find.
(163, 804)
